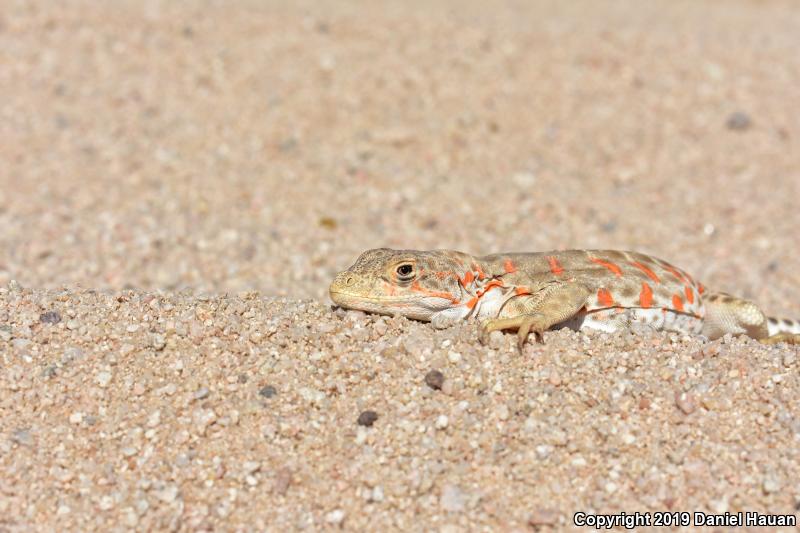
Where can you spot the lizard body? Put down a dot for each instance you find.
(531, 292)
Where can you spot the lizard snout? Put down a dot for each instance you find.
(342, 284)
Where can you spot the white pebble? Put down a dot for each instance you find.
(502, 412)
(452, 499)
(335, 517)
(154, 419)
(76, 418)
(250, 467)
(167, 494)
(771, 484)
(103, 379)
(377, 494)
(106, 503)
(454, 357)
(543, 451)
(441, 422)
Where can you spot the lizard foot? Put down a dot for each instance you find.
(524, 324)
(788, 338)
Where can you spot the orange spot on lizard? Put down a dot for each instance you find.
(520, 291)
(675, 272)
(700, 288)
(677, 303)
(611, 266)
(472, 303)
(491, 285)
(604, 298)
(469, 277)
(646, 296)
(555, 266)
(416, 287)
(509, 266)
(649, 273)
(689, 295)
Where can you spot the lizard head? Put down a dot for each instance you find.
(405, 282)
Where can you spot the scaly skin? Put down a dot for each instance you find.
(533, 292)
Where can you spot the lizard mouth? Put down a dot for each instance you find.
(410, 307)
(366, 303)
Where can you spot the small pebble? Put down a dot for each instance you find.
(154, 419)
(50, 317)
(103, 379)
(268, 391)
(251, 467)
(454, 357)
(441, 422)
(452, 499)
(201, 393)
(21, 344)
(738, 120)
(167, 494)
(283, 478)
(106, 503)
(158, 342)
(377, 494)
(543, 451)
(685, 402)
(335, 517)
(434, 379)
(367, 418)
(496, 340)
(771, 484)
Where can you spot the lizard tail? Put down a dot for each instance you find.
(783, 325)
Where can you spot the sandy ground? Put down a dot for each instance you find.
(179, 181)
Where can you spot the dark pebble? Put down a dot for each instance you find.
(739, 121)
(242, 378)
(50, 317)
(267, 391)
(434, 379)
(367, 418)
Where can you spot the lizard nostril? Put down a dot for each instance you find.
(349, 280)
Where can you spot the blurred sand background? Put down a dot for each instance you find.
(208, 156)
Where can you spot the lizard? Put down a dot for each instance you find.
(604, 290)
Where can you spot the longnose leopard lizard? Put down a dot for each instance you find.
(533, 292)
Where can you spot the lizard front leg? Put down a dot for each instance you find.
(538, 311)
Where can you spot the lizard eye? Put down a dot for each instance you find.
(405, 271)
